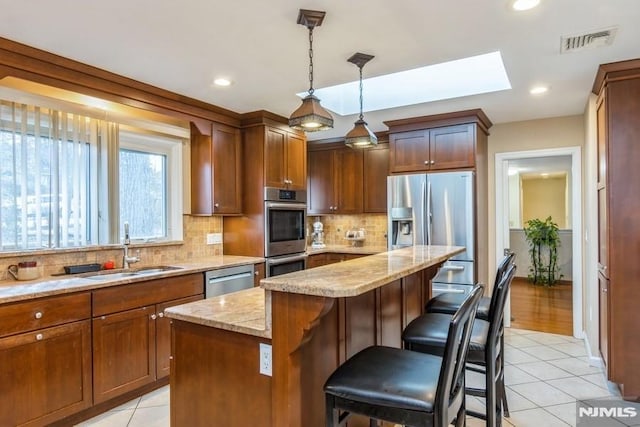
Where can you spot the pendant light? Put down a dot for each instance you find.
(311, 116)
(360, 136)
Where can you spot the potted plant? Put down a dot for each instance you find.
(543, 239)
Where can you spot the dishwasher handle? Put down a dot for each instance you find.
(227, 278)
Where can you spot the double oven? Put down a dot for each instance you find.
(285, 215)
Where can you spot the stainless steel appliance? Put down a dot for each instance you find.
(285, 215)
(227, 280)
(286, 264)
(436, 209)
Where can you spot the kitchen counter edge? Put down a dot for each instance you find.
(13, 291)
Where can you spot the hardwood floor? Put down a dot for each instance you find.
(539, 308)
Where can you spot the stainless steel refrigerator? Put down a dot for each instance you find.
(436, 209)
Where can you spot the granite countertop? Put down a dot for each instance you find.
(248, 311)
(357, 276)
(242, 311)
(347, 249)
(12, 290)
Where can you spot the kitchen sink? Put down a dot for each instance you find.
(143, 271)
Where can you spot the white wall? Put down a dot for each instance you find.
(518, 244)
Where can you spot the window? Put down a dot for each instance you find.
(68, 180)
(44, 176)
(145, 190)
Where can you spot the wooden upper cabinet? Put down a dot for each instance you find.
(440, 142)
(449, 147)
(227, 178)
(216, 180)
(452, 147)
(409, 151)
(374, 182)
(335, 181)
(601, 121)
(321, 188)
(285, 159)
(348, 172)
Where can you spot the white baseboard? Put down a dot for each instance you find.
(593, 360)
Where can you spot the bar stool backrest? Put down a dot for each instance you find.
(496, 313)
(451, 381)
(506, 262)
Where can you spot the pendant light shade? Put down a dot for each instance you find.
(360, 136)
(311, 116)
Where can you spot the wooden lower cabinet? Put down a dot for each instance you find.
(123, 352)
(163, 335)
(46, 374)
(131, 348)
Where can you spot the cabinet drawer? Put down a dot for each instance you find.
(140, 294)
(44, 312)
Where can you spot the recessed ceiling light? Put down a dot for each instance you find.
(462, 77)
(521, 5)
(538, 90)
(222, 81)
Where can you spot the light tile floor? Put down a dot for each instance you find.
(544, 373)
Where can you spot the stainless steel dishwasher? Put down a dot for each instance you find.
(227, 280)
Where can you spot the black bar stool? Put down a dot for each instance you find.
(425, 334)
(448, 303)
(406, 387)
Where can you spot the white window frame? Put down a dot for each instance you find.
(140, 140)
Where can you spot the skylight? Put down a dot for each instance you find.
(453, 79)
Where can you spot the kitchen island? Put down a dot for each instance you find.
(311, 321)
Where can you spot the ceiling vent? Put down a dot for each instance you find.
(587, 41)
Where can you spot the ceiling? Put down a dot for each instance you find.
(535, 166)
(182, 46)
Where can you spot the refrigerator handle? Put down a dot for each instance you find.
(423, 204)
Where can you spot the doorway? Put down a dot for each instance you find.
(546, 174)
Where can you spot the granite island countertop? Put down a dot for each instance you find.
(13, 291)
(248, 311)
(357, 276)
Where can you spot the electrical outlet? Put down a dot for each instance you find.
(265, 359)
(214, 238)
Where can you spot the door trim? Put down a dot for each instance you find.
(502, 219)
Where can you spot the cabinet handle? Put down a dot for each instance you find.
(433, 162)
(426, 162)
(38, 315)
(153, 317)
(257, 273)
(161, 314)
(604, 290)
(216, 205)
(39, 337)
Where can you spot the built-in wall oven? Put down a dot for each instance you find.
(286, 264)
(285, 213)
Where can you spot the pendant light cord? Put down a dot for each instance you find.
(311, 90)
(361, 115)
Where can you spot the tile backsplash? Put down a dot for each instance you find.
(336, 226)
(193, 246)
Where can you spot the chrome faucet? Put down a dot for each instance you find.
(126, 259)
